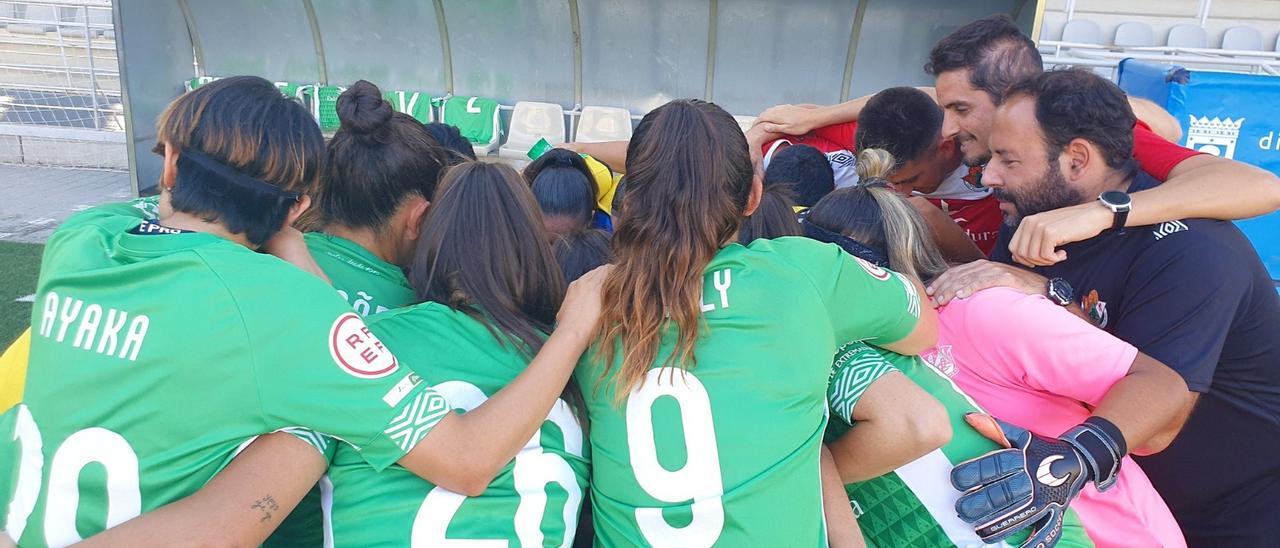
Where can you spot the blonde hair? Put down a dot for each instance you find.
(874, 215)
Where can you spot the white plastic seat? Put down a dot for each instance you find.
(1242, 38)
(530, 122)
(1082, 31)
(1186, 35)
(1134, 34)
(600, 124)
(745, 122)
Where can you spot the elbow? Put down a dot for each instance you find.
(467, 484)
(926, 428)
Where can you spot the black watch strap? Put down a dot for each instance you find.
(1120, 218)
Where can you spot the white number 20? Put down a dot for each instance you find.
(699, 479)
(124, 499)
(533, 470)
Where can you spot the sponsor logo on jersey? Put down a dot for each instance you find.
(401, 389)
(1095, 308)
(1044, 472)
(357, 351)
(875, 271)
(940, 359)
(1168, 228)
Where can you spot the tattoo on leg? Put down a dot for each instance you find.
(267, 505)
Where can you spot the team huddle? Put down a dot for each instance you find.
(1005, 310)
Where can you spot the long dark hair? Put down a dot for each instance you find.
(563, 187)
(689, 176)
(376, 160)
(581, 252)
(484, 252)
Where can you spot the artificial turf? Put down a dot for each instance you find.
(19, 266)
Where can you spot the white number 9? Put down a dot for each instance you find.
(699, 480)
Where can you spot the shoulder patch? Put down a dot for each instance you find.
(357, 351)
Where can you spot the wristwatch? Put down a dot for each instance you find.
(1060, 292)
(1119, 203)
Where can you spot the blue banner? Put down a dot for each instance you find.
(1226, 114)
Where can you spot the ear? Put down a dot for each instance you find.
(297, 209)
(1076, 159)
(169, 173)
(753, 199)
(417, 211)
(946, 147)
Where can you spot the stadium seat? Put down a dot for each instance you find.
(1081, 31)
(1134, 34)
(530, 122)
(745, 122)
(292, 89)
(476, 118)
(413, 103)
(35, 19)
(1242, 38)
(1186, 35)
(599, 124)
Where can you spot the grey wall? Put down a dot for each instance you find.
(744, 54)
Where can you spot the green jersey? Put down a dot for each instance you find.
(157, 354)
(371, 285)
(726, 453)
(533, 501)
(915, 504)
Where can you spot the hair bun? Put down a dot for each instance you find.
(362, 109)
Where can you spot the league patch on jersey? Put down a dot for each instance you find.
(875, 271)
(402, 389)
(357, 351)
(1096, 309)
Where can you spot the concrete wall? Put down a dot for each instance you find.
(1263, 15)
(52, 146)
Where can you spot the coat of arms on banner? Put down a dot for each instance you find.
(1216, 136)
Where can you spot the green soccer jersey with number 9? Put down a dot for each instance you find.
(726, 454)
(157, 355)
(533, 501)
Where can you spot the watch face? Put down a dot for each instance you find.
(1060, 291)
(1115, 198)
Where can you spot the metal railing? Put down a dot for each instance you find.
(58, 65)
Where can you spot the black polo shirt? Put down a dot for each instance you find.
(1194, 295)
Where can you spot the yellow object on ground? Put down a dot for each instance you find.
(13, 371)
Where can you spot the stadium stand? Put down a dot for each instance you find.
(531, 121)
(1081, 31)
(745, 122)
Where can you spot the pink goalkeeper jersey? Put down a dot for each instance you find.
(1031, 363)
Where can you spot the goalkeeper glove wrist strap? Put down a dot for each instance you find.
(1102, 446)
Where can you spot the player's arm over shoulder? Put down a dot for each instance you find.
(863, 301)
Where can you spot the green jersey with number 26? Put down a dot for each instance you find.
(533, 501)
(726, 453)
(157, 354)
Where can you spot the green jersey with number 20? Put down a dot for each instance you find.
(915, 504)
(726, 453)
(533, 501)
(156, 355)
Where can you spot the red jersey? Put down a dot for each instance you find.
(963, 198)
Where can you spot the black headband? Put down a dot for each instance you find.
(849, 245)
(206, 166)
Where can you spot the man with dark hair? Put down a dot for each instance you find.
(1191, 293)
(805, 170)
(970, 66)
(907, 123)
